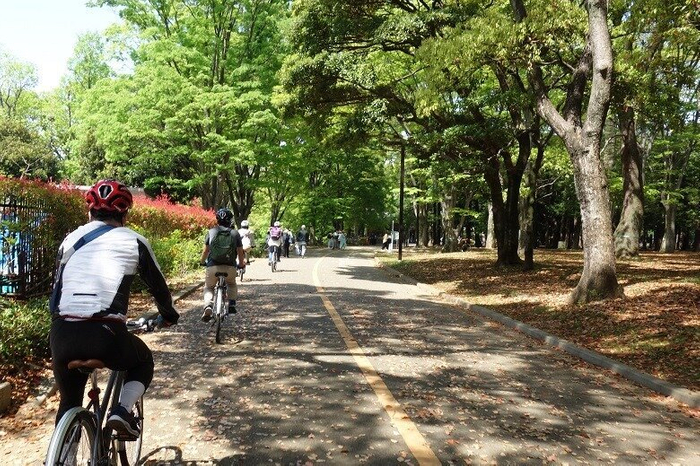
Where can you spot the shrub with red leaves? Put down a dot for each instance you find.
(159, 217)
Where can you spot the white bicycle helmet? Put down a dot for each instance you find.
(244, 224)
(277, 224)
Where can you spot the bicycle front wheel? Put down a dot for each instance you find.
(129, 451)
(73, 439)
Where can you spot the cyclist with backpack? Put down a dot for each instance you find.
(222, 249)
(274, 243)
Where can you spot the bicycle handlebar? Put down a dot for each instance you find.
(146, 324)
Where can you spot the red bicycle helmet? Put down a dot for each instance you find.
(110, 196)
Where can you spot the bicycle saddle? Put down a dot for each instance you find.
(86, 364)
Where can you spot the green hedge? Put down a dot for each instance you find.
(175, 232)
(24, 330)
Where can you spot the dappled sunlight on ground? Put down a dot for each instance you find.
(654, 328)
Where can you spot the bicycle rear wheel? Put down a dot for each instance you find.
(219, 311)
(129, 451)
(73, 439)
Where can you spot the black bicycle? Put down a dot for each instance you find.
(82, 436)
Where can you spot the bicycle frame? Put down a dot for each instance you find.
(88, 423)
(105, 448)
(100, 410)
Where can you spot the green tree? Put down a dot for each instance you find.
(581, 135)
(17, 79)
(199, 103)
(25, 154)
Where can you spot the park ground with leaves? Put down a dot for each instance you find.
(655, 328)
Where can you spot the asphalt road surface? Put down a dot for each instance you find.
(332, 360)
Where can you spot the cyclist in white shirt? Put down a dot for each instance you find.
(246, 238)
(96, 265)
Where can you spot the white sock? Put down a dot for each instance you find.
(131, 393)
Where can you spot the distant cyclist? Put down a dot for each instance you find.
(302, 240)
(246, 239)
(274, 242)
(96, 265)
(223, 249)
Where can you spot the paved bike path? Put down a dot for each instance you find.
(333, 361)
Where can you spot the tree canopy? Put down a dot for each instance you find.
(521, 124)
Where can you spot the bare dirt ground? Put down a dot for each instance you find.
(655, 328)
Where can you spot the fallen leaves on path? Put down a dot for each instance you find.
(655, 328)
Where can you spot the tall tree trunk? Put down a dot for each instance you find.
(696, 241)
(508, 239)
(599, 278)
(490, 229)
(582, 139)
(668, 243)
(423, 228)
(527, 212)
(450, 235)
(629, 228)
(505, 214)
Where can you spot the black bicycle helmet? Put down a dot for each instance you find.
(224, 217)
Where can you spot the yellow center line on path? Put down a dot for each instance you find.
(408, 430)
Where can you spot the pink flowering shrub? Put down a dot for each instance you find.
(160, 217)
(41, 214)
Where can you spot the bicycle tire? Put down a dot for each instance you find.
(241, 272)
(77, 427)
(129, 452)
(219, 312)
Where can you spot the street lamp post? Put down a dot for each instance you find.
(403, 156)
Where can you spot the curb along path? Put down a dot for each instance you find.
(681, 394)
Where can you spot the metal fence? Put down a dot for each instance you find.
(27, 251)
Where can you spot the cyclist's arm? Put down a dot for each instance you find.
(205, 250)
(56, 292)
(154, 279)
(205, 254)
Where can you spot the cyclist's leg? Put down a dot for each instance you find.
(74, 340)
(270, 254)
(134, 357)
(208, 297)
(209, 283)
(232, 290)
